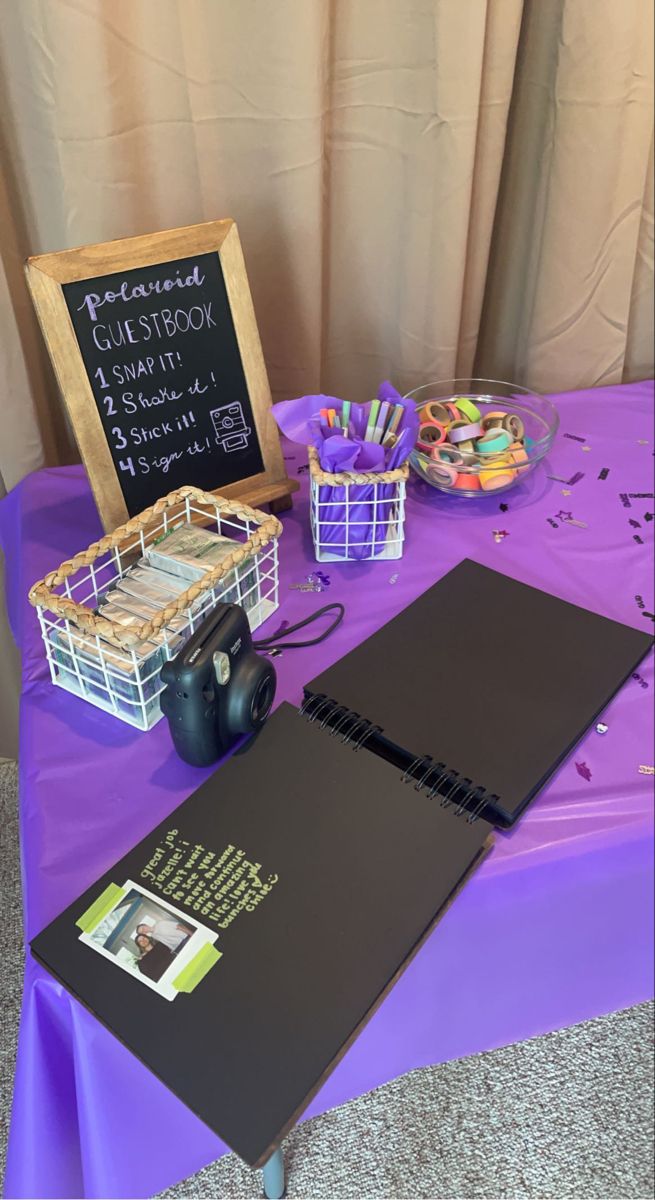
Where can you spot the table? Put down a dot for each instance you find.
(554, 928)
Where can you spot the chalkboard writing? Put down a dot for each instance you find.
(162, 358)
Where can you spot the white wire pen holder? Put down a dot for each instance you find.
(117, 668)
(357, 516)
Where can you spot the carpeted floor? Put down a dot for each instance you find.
(568, 1116)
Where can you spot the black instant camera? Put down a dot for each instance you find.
(217, 687)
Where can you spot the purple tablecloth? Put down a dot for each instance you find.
(553, 929)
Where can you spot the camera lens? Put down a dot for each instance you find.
(262, 700)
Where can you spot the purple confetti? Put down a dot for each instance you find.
(642, 495)
(574, 437)
(552, 522)
(504, 507)
(575, 478)
(623, 497)
(640, 680)
(583, 770)
(635, 524)
(648, 516)
(301, 470)
(638, 539)
(604, 473)
(563, 516)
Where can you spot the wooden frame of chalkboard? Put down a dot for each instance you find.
(157, 355)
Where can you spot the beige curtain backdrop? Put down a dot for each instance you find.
(423, 187)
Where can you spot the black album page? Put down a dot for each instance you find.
(496, 679)
(239, 948)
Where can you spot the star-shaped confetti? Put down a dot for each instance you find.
(563, 516)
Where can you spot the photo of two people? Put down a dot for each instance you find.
(147, 937)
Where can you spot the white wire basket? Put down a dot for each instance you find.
(117, 669)
(355, 517)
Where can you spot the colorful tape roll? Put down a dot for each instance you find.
(455, 414)
(514, 426)
(463, 431)
(497, 474)
(430, 434)
(441, 473)
(467, 408)
(448, 454)
(493, 441)
(492, 420)
(434, 410)
(519, 454)
(468, 481)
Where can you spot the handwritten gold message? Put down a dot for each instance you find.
(217, 886)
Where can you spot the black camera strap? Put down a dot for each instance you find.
(277, 640)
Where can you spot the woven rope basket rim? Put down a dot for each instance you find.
(348, 478)
(41, 594)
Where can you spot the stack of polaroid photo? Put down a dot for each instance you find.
(131, 678)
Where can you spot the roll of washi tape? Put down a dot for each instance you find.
(430, 433)
(492, 420)
(497, 474)
(493, 441)
(468, 450)
(441, 473)
(455, 414)
(514, 426)
(519, 454)
(467, 408)
(434, 410)
(462, 431)
(448, 454)
(468, 481)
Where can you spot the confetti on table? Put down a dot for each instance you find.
(580, 524)
(642, 442)
(301, 469)
(635, 524)
(639, 540)
(583, 770)
(566, 491)
(503, 507)
(586, 449)
(574, 478)
(563, 516)
(394, 578)
(648, 516)
(499, 534)
(574, 437)
(604, 473)
(602, 727)
(639, 679)
(646, 770)
(552, 522)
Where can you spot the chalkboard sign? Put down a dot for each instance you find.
(156, 350)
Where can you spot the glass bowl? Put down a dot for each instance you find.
(466, 468)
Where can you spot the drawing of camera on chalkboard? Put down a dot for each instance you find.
(230, 427)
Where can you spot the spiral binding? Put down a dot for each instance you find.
(456, 792)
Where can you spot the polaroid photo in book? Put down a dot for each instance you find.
(147, 937)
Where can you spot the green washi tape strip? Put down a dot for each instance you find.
(100, 907)
(200, 964)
